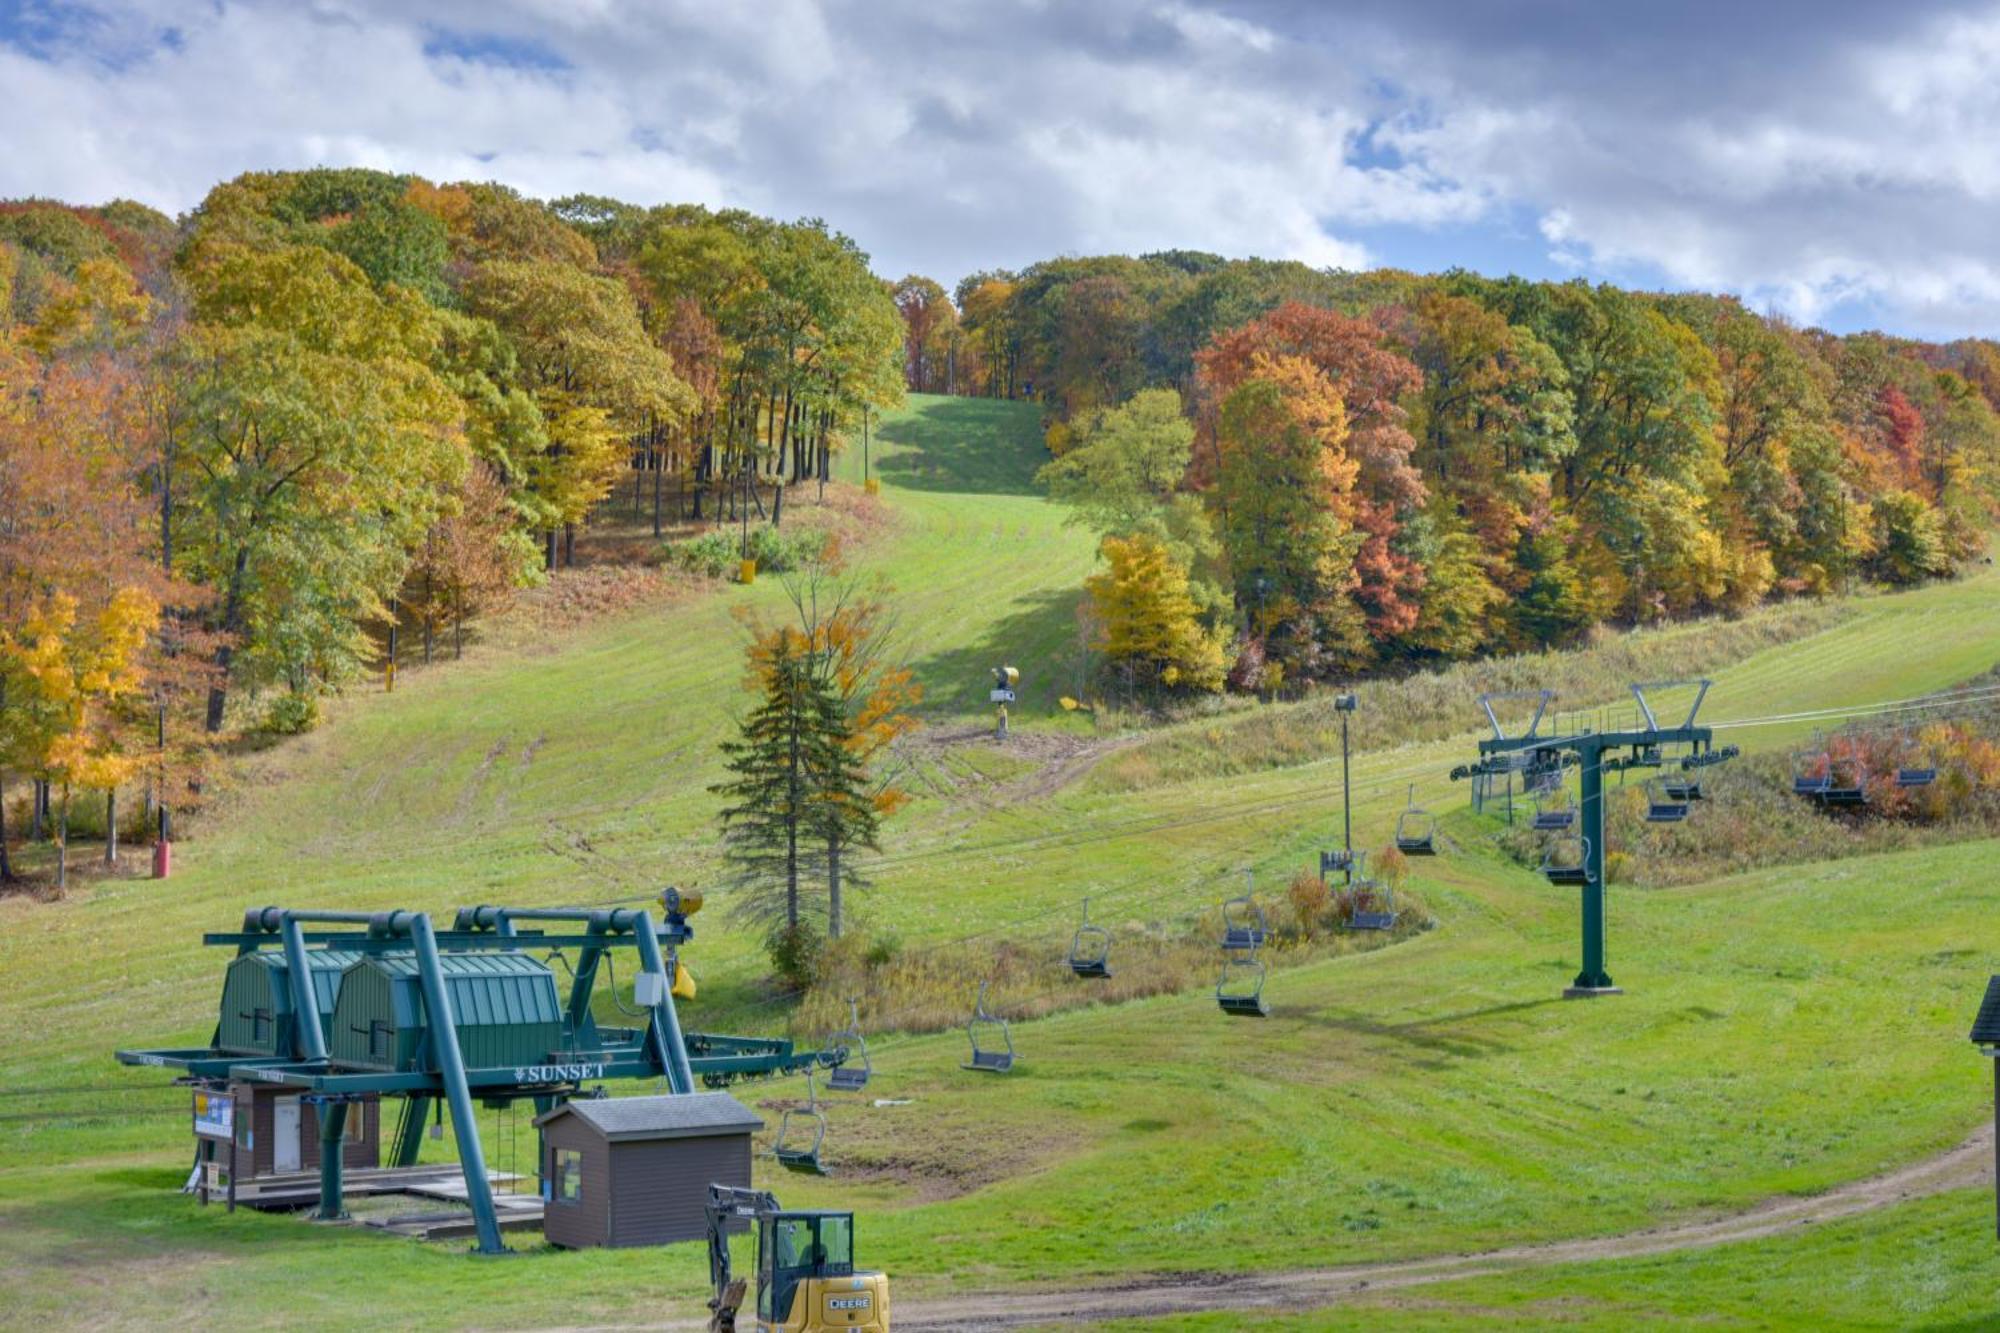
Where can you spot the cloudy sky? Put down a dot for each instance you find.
(1833, 160)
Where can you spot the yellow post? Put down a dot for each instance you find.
(872, 486)
(748, 571)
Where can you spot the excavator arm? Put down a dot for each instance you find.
(726, 1204)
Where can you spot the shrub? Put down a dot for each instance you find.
(717, 552)
(796, 953)
(1310, 897)
(291, 714)
(713, 553)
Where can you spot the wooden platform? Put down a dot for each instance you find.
(437, 1183)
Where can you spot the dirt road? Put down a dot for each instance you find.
(1968, 1164)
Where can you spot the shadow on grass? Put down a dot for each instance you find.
(1456, 1045)
(1038, 637)
(977, 446)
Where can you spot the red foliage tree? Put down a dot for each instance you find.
(1372, 380)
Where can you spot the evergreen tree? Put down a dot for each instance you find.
(769, 825)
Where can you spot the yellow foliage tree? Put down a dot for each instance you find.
(1150, 629)
(76, 673)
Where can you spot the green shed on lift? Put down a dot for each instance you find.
(256, 1014)
(504, 1006)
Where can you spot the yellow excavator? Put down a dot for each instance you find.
(806, 1279)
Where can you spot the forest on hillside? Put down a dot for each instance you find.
(1303, 474)
(237, 446)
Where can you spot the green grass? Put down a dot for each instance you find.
(1785, 1030)
(1922, 1265)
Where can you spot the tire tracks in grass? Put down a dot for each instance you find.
(1970, 1163)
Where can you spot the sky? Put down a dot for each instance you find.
(1833, 162)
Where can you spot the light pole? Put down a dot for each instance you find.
(1343, 704)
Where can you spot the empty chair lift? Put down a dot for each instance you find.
(1567, 861)
(1243, 926)
(988, 1058)
(1661, 807)
(847, 1076)
(1375, 916)
(1239, 989)
(797, 1149)
(1921, 771)
(1553, 818)
(1090, 948)
(1416, 829)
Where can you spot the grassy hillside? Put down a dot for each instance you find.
(1785, 1031)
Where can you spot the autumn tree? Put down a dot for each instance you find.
(1285, 497)
(929, 325)
(1151, 634)
(323, 448)
(841, 637)
(75, 672)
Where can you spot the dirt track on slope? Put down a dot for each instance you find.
(1968, 1164)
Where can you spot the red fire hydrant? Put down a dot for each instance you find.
(163, 859)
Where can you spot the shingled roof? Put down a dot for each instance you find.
(689, 1116)
(1986, 1027)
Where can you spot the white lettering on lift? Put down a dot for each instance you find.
(556, 1073)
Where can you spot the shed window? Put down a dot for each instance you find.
(567, 1185)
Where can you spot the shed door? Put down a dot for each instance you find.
(285, 1135)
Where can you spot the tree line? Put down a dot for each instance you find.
(1300, 475)
(238, 445)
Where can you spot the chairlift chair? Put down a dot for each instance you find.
(1921, 774)
(1846, 785)
(1244, 928)
(1683, 788)
(1090, 948)
(1812, 773)
(1661, 808)
(1553, 818)
(1416, 829)
(1373, 918)
(794, 1151)
(988, 1059)
(847, 1076)
(1239, 988)
(1561, 867)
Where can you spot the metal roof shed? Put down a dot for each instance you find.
(636, 1170)
(1986, 1035)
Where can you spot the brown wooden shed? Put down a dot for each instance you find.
(636, 1170)
(276, 1133)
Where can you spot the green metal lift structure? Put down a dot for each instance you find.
(438, 1070)
(1595, 747)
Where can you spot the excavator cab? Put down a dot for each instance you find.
(806, 1279)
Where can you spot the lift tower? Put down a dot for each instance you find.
(1595, 747)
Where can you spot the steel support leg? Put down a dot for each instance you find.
(451, 1064)
(1593, 979)
(332, 1160)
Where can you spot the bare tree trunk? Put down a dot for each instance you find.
(232, 617)
(833, 887)
(111, 827)
(6, 864)
(62, 846)
(659, 475)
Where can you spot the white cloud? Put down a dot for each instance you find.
(1834, 156)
